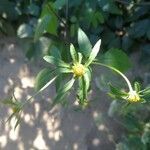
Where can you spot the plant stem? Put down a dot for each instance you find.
(51, 9)
(120, 73)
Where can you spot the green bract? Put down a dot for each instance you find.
(133, 96)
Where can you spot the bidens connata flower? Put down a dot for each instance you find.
(133, 96)
(78, 69)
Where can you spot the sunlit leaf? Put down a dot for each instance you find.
(117, 92)
(63, 91)
(84, 43)
(137, 86)
(73, 53)
(80, 56)
(146, 93)
(55, 61)
(43, 78)
(64, 70)
(18, 118)
(93, 53)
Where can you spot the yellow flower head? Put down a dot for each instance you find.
(133, 96)
(78, 69)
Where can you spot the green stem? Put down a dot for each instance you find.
(120, 73)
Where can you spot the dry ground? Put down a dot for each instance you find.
(41, 129)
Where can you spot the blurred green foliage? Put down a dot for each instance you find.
(45, 26)
(121, 24)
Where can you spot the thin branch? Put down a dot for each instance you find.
(51, 9)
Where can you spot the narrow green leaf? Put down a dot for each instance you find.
(146, 94)
(80, 90)
(80, 56)
(117, 92)
(55, 52)
(63, 91)
(82, 93)
(137, 86)
(47, 84)
(64, 70)
(73, 53)
(84, 43)
(17, 122)
(55, 61)
(87, 79)
(94, 53)
(41, 26)
(43, 78)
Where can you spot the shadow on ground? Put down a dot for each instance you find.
(42, 129)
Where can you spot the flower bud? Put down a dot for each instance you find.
(133, 96)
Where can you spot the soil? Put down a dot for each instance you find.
(62, 128)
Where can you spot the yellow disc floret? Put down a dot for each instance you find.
(78, 69)
(133, 96)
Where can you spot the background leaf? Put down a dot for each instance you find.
(94, 52)
(109, 6)
(84, 43)
(42, 26)
(55, 61)
(43, 77)
(117, 59)
(62, 91)
(24, 31)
